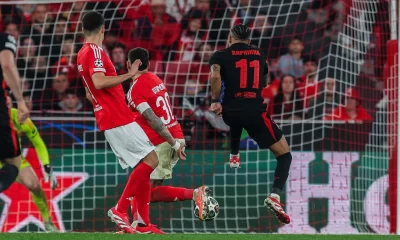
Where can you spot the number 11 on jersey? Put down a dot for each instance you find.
(242, 64)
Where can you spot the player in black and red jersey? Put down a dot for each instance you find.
(237, 78)
(9, 146)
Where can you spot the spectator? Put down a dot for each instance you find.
(287, 104)
(118, 57)
(110, 39)
(194, 30)
(53, 38)
(352, 109)
(27, 52)
(40, 23)
(55, 95)
(71, 102)
(13, 29)
(200, 5)
(291, 63)
(220, 23)
(201, 70)
(262, 36)
(307, 84)
(245, 13)
(27, 98)
(26, 85)
(323, 104)
(27, 10)
(67, 62)
(160, 28)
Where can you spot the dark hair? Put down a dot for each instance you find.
(91, 22)
(295, 98)
(119, 45)
(296, 38)
(139, 53)
(69, 37)
(8, 23)
(71, 91)
(241, 32)
(26, 94)
(309, 58)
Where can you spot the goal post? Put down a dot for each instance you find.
(344, 175)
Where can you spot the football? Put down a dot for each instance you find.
(211, 211)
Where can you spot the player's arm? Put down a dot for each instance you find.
(7, 52)
(30, 130)
(101, 81)
(156, 123)
(216, 82)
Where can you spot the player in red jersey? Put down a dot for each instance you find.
(149, 100)
(127, 140)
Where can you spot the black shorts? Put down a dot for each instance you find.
(9, 144)
(258, 124)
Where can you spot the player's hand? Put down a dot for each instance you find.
(23, 112)
(135, 66)
(216, 108)
(48, 176)
(181, 152)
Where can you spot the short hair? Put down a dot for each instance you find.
(241, 32)
(26, 94)
(91, 22)
(309, 58)
(119, 45)
(139, 53)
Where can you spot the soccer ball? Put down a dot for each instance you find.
(211, 210)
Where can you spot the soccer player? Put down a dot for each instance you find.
(149, 100)
(10, 150)
(128, 141)
(27, 176)
(236, 94)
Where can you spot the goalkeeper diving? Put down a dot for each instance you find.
(27, 176)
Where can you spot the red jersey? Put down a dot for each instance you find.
(110, 107)
(339, 113)
(148, 88)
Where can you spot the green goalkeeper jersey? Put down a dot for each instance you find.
(33, 135)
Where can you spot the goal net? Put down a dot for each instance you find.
(333, 87)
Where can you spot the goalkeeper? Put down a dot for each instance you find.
(27, 176)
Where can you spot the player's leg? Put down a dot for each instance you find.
(267, 134)
(10, 156)
(233, 120)
(133, 149)
(28, 178)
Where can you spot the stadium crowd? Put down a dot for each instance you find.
(181, 39)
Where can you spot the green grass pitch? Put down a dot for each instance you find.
(110, 236)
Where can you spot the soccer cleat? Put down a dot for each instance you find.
(150, 229)
(234, 161)
(273, 203)
(50, 227)
(200, 198)
(121, 219)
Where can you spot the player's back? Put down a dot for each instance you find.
(7, 42)
(109, 104)
(242, 72)
(150, 88)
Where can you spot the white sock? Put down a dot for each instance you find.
(231, 155)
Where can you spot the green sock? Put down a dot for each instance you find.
(41, 203)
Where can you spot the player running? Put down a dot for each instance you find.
(149, 100)
(27, 176)
(128, 141)
(10, 150)
(236, 94)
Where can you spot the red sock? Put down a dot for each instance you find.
(134, 209)
(170, 194)
(142, 192)
(139, 177)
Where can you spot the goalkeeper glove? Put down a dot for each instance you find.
(48, 175)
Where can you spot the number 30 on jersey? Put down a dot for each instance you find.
(163, 101)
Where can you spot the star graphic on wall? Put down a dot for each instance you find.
(19, 209)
